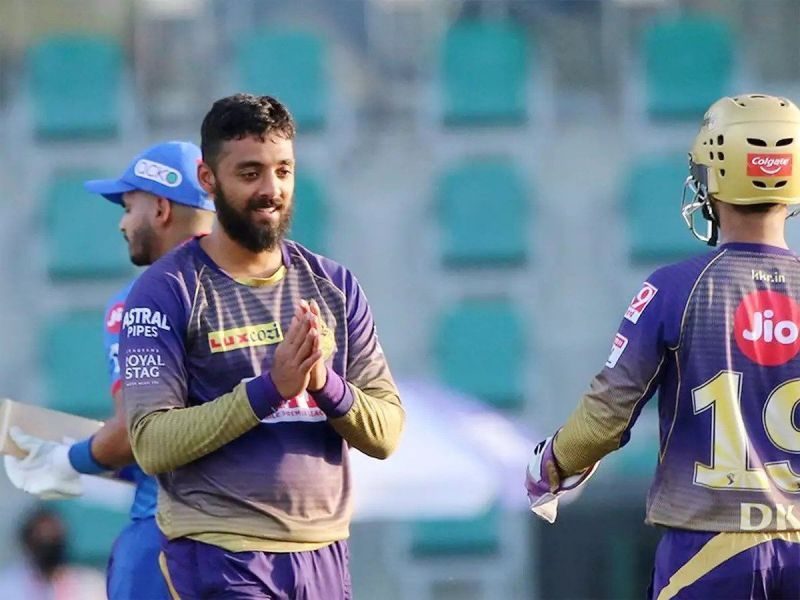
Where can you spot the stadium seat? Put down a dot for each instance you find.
(656, 231)
(75, 86)
(91, 530)
(688, 64)
(291, 66)
(310, 221)
(482, 205)
(480, 350)
(484, 73)
(82, 232)
(448, 537)
(74, 362)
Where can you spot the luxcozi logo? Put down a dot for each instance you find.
(766, 327)
(263, 334)
(157, 172)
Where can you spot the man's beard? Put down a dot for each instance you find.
(141, 246)
(240, 226)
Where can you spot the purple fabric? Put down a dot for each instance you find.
(199, 570)
(769, 570)
(335, 398)
(263, 395)
(538, 483)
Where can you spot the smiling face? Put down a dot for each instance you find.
(253, 190)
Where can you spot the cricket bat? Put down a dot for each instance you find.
(41, 422)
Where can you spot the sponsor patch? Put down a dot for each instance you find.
(766, 326)
(618, 347)
(142, 366)
(300, 408)
(640, 302)
(144, 322)
(769, 165)
(114, 318)
(245, 337)
(160, 173)
(113, 358)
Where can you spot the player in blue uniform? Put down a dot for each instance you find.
(718, 337)
(164, 206)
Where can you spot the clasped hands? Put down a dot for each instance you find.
(298, 364)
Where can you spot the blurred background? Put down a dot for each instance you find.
(500, 175)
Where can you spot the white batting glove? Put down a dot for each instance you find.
(543, 483)
(46, 471)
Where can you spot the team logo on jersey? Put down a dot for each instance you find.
(327, 342)
(617, 348)
(245, 337)
(766, 327)
(300, 408)
(114, 318)
(640, 302)
(769, 165)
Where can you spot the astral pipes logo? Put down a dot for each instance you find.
(771, 165)
(157, 172)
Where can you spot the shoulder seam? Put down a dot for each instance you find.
(691, 294)
(317, 277)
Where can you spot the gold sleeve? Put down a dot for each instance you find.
(375, 421)
(164, 440)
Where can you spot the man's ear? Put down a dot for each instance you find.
(205, 175)
(163, 211)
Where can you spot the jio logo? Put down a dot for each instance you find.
(766, 328)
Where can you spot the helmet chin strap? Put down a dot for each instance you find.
(713, 223)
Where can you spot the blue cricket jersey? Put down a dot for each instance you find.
(144, 503)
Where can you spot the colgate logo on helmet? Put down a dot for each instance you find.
(771, 165)
(767, 328)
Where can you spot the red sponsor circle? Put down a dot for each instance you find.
(766, 325)
(769, 165)
(114, 317)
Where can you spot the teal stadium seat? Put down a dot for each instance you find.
(656, 231)
(688, 64)
(480, 350)
(75, 86)
(74, 363)
(310, 221)
(82, 232)
(91, 530)
(483, 211)
(457, 537)
(484, 73)
(292, 67)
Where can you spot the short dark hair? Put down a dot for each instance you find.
(239, 116)
(755, 209)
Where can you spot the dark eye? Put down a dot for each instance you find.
(249, 175)
(284, 172)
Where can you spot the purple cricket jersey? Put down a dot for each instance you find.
(717, 337)
(190, 334)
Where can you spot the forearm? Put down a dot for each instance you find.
(111, 446)
(165, 440)
(370, 420)
(593, 430)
